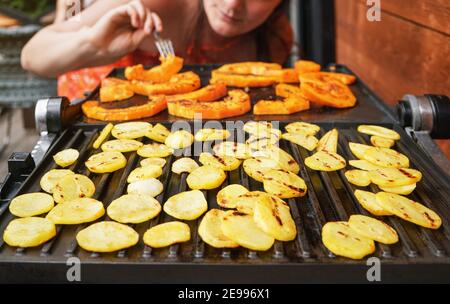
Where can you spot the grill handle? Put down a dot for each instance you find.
(55, 113)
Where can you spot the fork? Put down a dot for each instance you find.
(164, 46)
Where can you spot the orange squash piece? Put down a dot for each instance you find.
(306, 66)
(331, 93)
(327, 76)
(289, 105)
(249, 68)
(113, 89)
(169, 66)
(93, 109)
(236, 103)
(209, 93)
(177, 84)
(241, 81)
(286, 90)
(284, 75)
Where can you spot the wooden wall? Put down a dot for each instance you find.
(408, 51)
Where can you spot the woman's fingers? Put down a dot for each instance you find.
(157, 22)
(141, 12)
(133, 16)
(149, 25)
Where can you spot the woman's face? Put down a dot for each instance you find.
(235, 17)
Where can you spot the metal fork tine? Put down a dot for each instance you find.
(166, 47)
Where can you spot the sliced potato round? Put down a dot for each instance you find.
(179, 139)
(273, 216)
(49, 180)
(403, 190)
(102, 136)
(358, 177)
(363, 165)
(227, 196)
(143, 173)
(256, 167)
(133, 208)
(329, 141)
(245, 203)
(308, 142)
(122, 145)
(158, 133)
(226, 163)
(340, 239)
(257, 128)
(409, 210)
(262, 142)
(211, 134)
(131, 130)
(167, 234)
(210, 230)
(107, 236)
(233, 149)
(359, 150)
(29, 232)
(242, 229)
(385, 157)
(206, 178)
(187, 205)
(151, 187)
(154, 150)
(325, 161)
(184, 164)
(394, 177)
(381, 142)
(368, 201)
(284, 159)
(373, 229)
(106, 162)
(379, 131)
(284, 184)
(31, 204)
(302, 128)
(66, 157)
(73, 186)
(155, 161)
(77, 211)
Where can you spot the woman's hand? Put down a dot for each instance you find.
(121, 30)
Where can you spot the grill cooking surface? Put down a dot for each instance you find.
(329, 198)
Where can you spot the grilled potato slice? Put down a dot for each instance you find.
(363, 165)
(154, 150)
(187, 205)
(226, 163)
(325, 161)
(121, 145)
(66, 157)
(73, 186)
(385, 157)
(256, 167)
(340, 239)
(211, 134)
(273, 216)
(158, 133)
(358, 177)
(257, 128)
(179, 139)
(151, 187)
(242, 229)
(373, 229)
(102, 136)
(381, 142)
(133, 208)
(284, 184)
(245, 203)
(379, 131)
(302, 128)
(31, 204)
(329, 141)
(359, 150)
(49, 180)
(369, 202)
(403, 190)
(167, 234)
(233, 149)
(394, 177)
(29, 232)
(107, 237)
(143, 173)
(206, 178)
(409, 210)
(156, 161)
(106, 162)
(210, 230)
(227, 196)
(284, 159)
(263, 142)
(77, 211)
(308, 142)
(131, 130)
(184, 164)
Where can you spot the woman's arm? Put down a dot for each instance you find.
(99, 36)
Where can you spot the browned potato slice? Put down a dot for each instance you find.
(51, 178)
(308, 142)
(102, 136)
(106, 162)
(245, 203)
(385, 157)
(373, 229)
(303, 128)
(256, 167)
(226, 163)
(403, 190)
(166, 234)
(381, 142)
(130, 130)
(325, 161)
(143, 173)
(187, 205)
(379, 131)
(227, 197)
(133, 208)
(211, 134)
(158, 133)
(369, 202)
(66, 157)
(210, 230)
(329, 141)
(31, 204)
(29, 232)
(154, 150)
(233, 149)
(358, 177)
(284, 159)
(153, 161)
(122, 145)
(284, 184)
(263, 142)
(206, 178)
(77, 211)
(73, 186)
(179, 139)
(393, 177)
(359, 150)
(184, 164)
(363, 165)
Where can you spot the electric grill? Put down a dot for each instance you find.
(421, 255)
